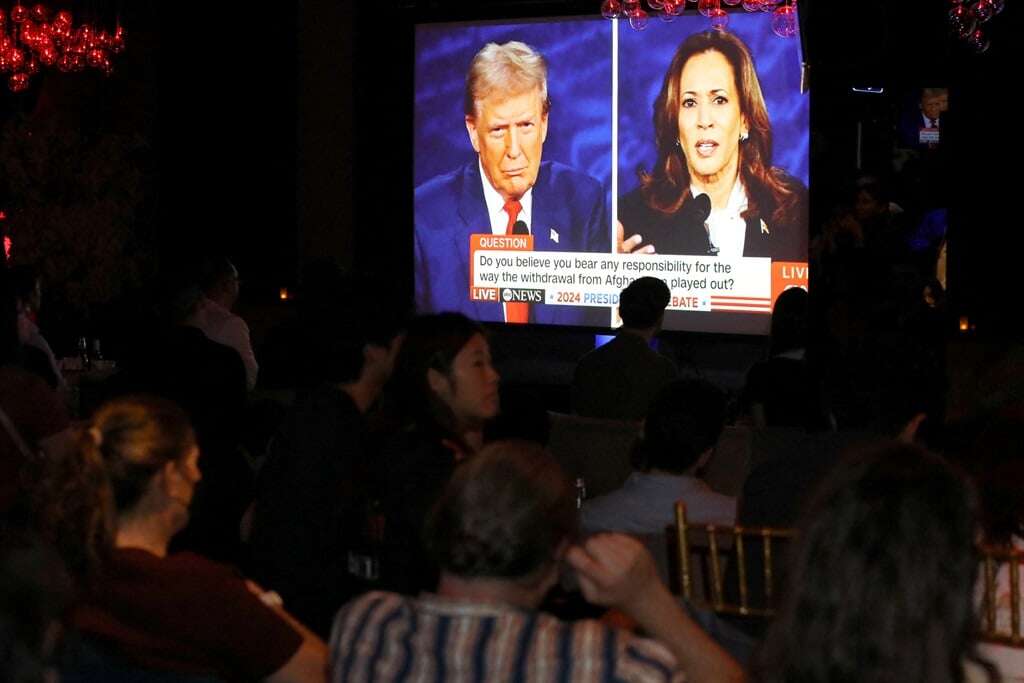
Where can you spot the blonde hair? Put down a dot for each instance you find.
(512, 68)
(124, 445)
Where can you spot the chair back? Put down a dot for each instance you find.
(703, 552)
(727, 469)
(1000, 620)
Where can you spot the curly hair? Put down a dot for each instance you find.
(667, 187)
(882, 578)
(503, 514)
(124, 445)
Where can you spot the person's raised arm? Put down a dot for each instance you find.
(617, 571)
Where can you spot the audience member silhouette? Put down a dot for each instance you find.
(680, 432)
(881, 584)
(28, 290)
(221, 285)
(34, 420)
(619, 379)
(787, 390)
(312, 492)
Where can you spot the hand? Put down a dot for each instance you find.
(632, 244)
(613, 570)
(269, 598)
(617, 571)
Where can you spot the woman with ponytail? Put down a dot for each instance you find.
(113, 512)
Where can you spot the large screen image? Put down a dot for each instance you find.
(556, 161)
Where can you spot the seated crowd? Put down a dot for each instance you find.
(390, 532)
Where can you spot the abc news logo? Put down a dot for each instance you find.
(526, 296)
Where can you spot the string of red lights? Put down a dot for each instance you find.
(638, 13)
(35, 38)
(965, 17)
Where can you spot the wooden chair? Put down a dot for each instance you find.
(703, 552)
(994, 617)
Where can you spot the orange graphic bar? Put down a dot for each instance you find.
(489, 242)
(786, 274)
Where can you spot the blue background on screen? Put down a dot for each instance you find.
(578, 52)
(644, 56)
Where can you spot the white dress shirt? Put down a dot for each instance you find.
(496, 207)
(727, 229)
(224, 327)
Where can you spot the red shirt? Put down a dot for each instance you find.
(186, 614)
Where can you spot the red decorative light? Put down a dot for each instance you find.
(719, 19)
(784, 22)
(637, 18)
(29, 43)
(706, 7)
(7, 246)
(639, 11)
(966, 15)
(611, 9)
(18, 82)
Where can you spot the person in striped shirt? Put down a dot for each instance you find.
(500, 532)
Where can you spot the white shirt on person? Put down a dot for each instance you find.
(224, 327)
(646, 504)
(727, 229)
(496, 207)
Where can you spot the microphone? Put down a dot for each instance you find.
(699, 208)
(520, 228)
(696, 212)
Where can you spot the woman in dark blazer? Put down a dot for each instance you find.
(712, 191)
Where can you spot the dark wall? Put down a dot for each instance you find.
(227, 135)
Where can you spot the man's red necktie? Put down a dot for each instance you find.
(515, 312)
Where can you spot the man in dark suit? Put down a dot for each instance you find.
(919, 127)
(620, 379)
(505, 190)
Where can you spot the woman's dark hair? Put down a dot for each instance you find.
(684, 420)
(431, 343)
(503, 514)
(125, 444)
(881, 585)
(668, 185)
(789, 321)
